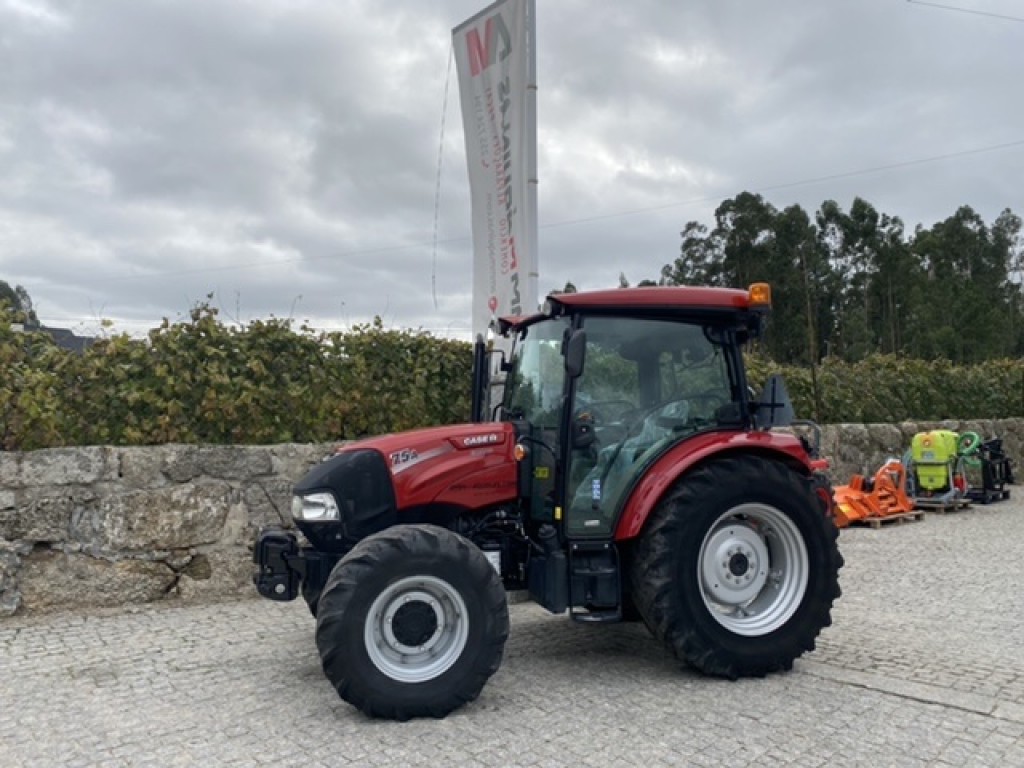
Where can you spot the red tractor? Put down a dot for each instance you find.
(627, 473)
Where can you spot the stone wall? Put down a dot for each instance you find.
(103, 526)
(863, 448)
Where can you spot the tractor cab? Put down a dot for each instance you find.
(598, 391)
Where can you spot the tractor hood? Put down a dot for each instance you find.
(469, 465)
(382, 481)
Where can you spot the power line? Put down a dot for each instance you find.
(587, 219)
(971, 11)
(801, 183)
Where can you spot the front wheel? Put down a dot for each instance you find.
(411, 623)
(738, 567)
(311, 596)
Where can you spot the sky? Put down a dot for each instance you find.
(286, 158)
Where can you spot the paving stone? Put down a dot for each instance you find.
(920, 668)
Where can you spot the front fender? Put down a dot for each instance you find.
(678, 460)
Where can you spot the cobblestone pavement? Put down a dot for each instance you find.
(922, 667)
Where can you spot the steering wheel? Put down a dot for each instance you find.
(597, 408)
(640, 418)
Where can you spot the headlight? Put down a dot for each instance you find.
(315, 506)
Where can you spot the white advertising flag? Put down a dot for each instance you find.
(494, 56)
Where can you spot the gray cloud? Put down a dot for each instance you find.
(283, 156)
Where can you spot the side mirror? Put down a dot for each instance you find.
(575, 349)
(774, 408)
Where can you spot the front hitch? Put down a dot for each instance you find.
(279, 566)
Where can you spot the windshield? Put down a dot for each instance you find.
(536, 382)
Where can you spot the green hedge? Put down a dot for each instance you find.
(889, 389)
(201, 381)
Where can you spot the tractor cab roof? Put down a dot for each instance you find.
(649, 300)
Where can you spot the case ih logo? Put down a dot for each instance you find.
(483, 53)
(490, 439)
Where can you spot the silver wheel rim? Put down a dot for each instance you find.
(430, 656)
(753, 569)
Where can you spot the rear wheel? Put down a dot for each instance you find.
(738, 568)
(411, 623)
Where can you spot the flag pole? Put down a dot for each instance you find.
(532, 302)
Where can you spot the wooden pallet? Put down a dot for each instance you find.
(901, 517)
(942, 506)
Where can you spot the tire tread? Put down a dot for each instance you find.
(378, 551)
(654, 568)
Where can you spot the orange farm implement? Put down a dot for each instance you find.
(883, 495)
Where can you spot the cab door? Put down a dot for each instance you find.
(646, 384)
(536, 393)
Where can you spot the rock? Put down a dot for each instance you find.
(235, 462)
(217, 574)
(1011, 431)
(141, 467)
(179, 560)
(226, 462)
(268, 501)
(236, 532)
(885, 441)
(886, 437)
(10, 470)
(10, 562)
(850, 453)
(51, 579)
(292, 460)
(161, 519)
(908, 429)
(180, 464)
(198, 568)
(44, 519)
(67, 466)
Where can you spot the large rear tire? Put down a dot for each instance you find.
(411, 623)
(738, 568)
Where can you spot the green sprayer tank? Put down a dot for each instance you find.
(934, 454)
